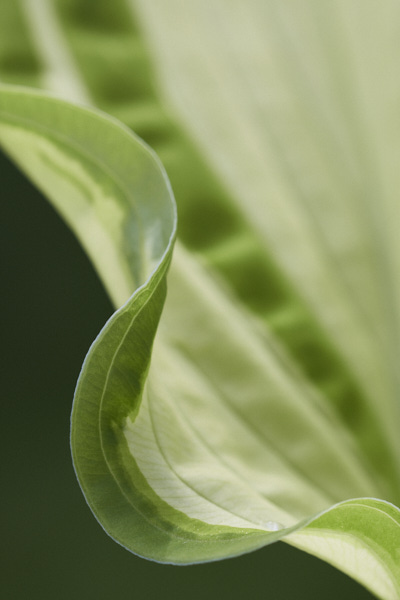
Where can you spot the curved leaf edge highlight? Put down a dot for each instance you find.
(94, 170)
(361, 537)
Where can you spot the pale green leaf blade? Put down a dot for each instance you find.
(336, 269)
(107, 185)
(310, 317)
(300, 135)
(362, 538)
(368, 365)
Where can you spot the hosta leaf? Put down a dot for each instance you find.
(361, 537)
(94, 171)
(272, 397)
(298, 132)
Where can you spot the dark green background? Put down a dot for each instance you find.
(52, 307)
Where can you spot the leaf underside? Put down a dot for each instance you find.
(266, 406)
